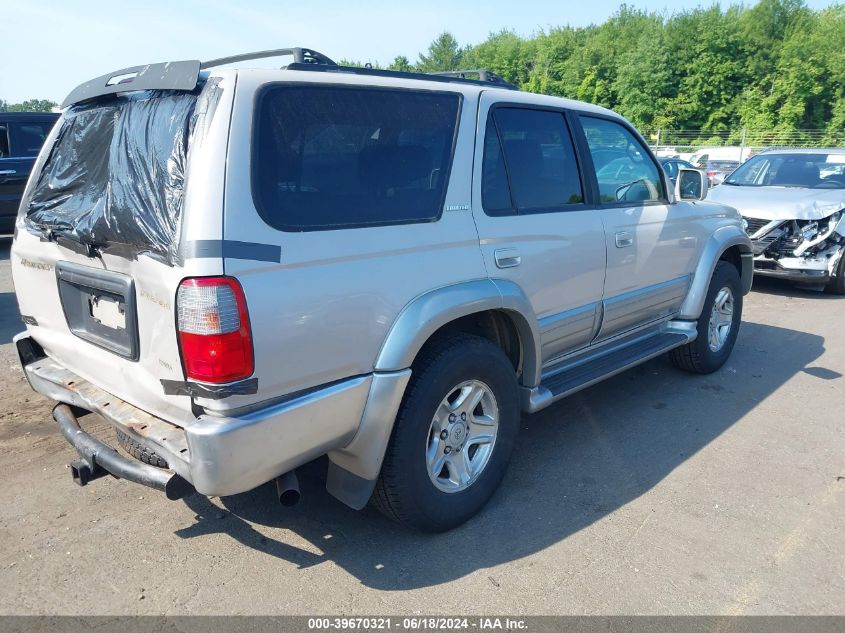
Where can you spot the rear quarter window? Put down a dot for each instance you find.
(329, 157)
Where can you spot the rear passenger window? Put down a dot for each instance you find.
(529, 163)
(624, 170)
(331, 157)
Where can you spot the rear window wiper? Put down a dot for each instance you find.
(87, 249)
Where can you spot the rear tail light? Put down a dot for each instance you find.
(214, 333)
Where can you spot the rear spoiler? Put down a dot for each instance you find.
(164, 76)
(176, 75)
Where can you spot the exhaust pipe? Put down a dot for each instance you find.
(287, 489)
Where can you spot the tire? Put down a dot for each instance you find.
(458, 368)
(836, 286)
(699, 357)
(138, 451)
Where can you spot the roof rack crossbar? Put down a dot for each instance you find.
(300, 56)
(484, 75)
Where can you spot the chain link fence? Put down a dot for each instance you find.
(745, 142)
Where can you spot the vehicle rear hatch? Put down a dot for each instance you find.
(97, 258)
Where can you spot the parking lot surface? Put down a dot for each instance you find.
(655, 492)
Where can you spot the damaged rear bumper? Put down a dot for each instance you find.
(216, 455)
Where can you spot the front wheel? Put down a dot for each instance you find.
(717, 326)
(453, 436)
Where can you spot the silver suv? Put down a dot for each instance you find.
(244, 270)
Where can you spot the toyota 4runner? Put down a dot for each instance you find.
(243, 270)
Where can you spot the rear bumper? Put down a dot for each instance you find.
(217, 455)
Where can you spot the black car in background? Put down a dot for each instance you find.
(21, 136)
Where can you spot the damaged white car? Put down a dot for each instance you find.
(793, 204)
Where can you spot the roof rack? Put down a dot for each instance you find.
(184, 75)
(300, 56)
(489, 78)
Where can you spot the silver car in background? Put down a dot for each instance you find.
(792, 202)
(718, 170)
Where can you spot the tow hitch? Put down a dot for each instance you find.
(99, 459)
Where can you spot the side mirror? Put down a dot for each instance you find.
(690, 184)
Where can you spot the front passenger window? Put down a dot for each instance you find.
(624, 169)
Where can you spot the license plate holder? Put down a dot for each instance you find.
(108, 312)
(99, 307)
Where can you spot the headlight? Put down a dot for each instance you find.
(745, 225)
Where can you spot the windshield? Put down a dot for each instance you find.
(814, 171)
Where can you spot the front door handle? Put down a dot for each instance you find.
(624, 238)
(7, 172)
(507, 258)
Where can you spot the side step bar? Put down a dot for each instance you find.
(97, 459)
(582, 372)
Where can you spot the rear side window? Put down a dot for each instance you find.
(4, 142)
(332, 157)
(529, 163)
(624, 169)
(27, 138)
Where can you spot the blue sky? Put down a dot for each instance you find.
(47, 47)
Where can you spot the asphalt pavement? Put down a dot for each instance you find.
(655, 492)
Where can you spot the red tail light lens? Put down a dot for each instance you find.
(214, 332)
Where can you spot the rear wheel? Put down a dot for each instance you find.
(718, 324)
(836, 285)
(453, 436)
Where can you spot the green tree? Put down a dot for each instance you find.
(31, 105)
(401, 63)
(506, 53)
(444, 54)
(773, 66)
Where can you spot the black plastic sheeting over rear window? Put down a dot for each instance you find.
(330, 157)
(115, 177)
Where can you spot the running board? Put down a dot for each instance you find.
(587, 370)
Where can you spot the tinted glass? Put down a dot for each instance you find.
(540, 159)
(495, 191)
(630, 175)
(817, 171)
(27, 138)
(328, 157)
(671, 168)
(4, 142)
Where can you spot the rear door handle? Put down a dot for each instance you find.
(507, 257)
(7, 172)
(623, 239)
